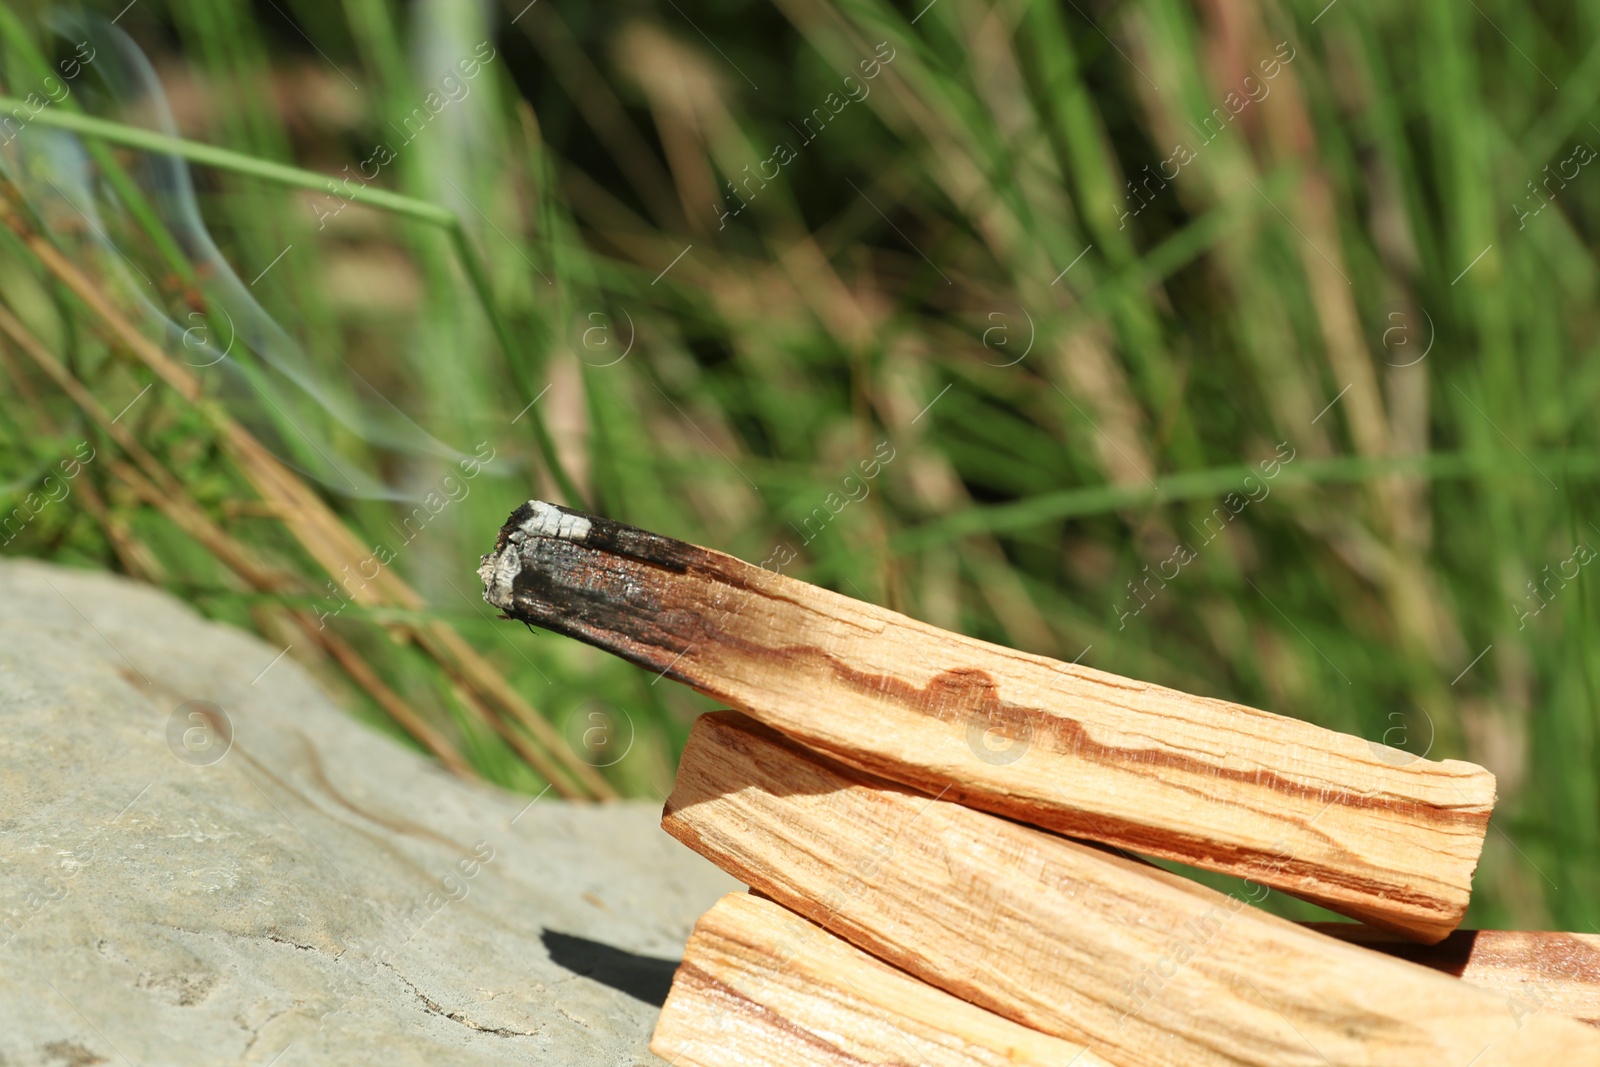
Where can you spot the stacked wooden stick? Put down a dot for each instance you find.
(939, 836)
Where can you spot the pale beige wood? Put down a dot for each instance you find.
(1534, 970)
(759, 986)
(1368, 831)
(1143, 967)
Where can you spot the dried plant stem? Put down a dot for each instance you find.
(382, 199)
(367, 678)
(538, 756)
(153, 484)
(135, 557)
(327, 539)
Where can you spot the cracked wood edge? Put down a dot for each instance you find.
(1534, 970)
(761, 985)
(1143, 967)
(1362, 829)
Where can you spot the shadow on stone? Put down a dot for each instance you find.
(641, 977)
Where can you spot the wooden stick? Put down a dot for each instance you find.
(1534, 971)
(1142, 966)
(1365, 830)
(761, 985)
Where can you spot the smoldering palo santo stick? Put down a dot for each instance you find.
(1364, 830)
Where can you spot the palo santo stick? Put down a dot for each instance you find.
(1535, 971)
(1141, 966)
(761, 985)
(1364, 830)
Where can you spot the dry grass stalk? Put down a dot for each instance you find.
(152, 483)
(327, 539)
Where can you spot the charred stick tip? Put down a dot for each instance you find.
(527, 537)
(536, 518)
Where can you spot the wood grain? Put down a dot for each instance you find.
(760, 985)
(1534, 970)
(1365, 830)
(1143, 967)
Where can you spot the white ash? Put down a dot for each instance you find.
(499, 571)
(548, 520)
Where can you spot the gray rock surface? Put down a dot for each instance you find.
(318, 894)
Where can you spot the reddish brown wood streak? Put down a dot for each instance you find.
(976, 692)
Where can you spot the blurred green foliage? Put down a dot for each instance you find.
(1086, 272)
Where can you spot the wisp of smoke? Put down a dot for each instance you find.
(247, 360)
